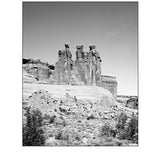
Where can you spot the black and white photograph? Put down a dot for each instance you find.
(80, 74)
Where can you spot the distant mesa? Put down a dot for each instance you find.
(85, 70)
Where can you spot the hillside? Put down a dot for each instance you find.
(75, 115)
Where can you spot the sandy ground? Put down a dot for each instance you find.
(81, 92)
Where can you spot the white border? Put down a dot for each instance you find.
(11, 92)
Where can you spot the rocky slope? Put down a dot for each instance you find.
(81, 92)
(128, 101)
(72, 114)
(73, 121)
(41, 71)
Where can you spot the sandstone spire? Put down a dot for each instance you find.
(85, 70)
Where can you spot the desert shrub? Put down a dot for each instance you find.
(59, 135)
(62, 109)
(121, 121)
(70, 136)
(60, 121)
(90, 117)
(112, 142)
(46, 117)
(108, 131)
(130, 130)
(52, 119)
(62, 134)
(75, 98)
(107, 141)
(125, 132)
(33, 134)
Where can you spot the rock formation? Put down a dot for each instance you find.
(85, 70)
(109, 83)
(40, 70)
(63, 67)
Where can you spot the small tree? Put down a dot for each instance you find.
(108, 130)
(121, 121)
(121, 124)
(132, 129)
(33, 134)
(129, 130)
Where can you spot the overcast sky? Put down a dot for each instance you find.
(112, 27)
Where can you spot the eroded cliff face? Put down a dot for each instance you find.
(40, 70)
(85, 70)
(64, 66)
(110, 83)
